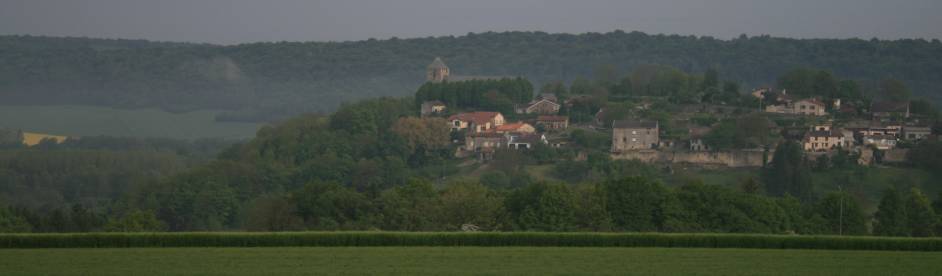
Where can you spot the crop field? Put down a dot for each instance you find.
(68, 120)
(391, 253)
(462, 260)
(31, 139)
(446, 239)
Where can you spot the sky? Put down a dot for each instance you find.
(244, 21)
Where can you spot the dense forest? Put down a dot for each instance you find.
(497, 95)
(71, 186)
(264, 81)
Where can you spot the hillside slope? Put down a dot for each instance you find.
(274, 80)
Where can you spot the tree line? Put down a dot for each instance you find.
(264, 81)
(493, 95)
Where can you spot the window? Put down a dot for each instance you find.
(634, 132)
(634, 139)
(457, 123)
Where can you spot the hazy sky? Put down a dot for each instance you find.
(237, 21)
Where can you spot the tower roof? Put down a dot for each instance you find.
(437, 64)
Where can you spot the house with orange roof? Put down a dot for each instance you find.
(518, 127)
(476, 121)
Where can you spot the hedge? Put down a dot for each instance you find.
(289, 239)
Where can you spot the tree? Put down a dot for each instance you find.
(754, 128)
(272, 213)
(407, 207)
(330, 206)
(890, 218)
(922, 219)
(606, 75)
(635, 203)
(581, 86)
(716, 208)
(937, 205)
(11, 223)
(825, 85)
(543, 206)
(711, 79)
(724, 135)
(469, 203)
(894, 90)
(842, 214)
(556, 87)
(496, 179)
(849, 90)
(730, 92)
(591, 214)
(924, 107)
(750, 186)
(623, 88)
(423, 134)
(788, 173)
(136, 221)
(798, 82)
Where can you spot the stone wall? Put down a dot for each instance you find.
(729, 158)
(895, 155)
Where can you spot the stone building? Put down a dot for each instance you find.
(550, 122)
(821, 140)
(525, 140)
(880, 141)
(432, 108)
(630, 135)
(476, 121)
(437, 71)
(484, 141)
(812, 107)
(916, 133)
(696, 142)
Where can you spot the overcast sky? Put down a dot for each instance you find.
(239, 21)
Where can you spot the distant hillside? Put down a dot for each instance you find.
(274, 80)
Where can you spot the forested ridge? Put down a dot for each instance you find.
(373, 165)
(263, 81)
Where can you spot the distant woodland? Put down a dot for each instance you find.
(268, 81)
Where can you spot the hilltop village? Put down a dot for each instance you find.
(741, 131)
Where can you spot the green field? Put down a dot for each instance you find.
(462, 260)
(70, 120)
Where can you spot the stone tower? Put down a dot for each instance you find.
(437, 71)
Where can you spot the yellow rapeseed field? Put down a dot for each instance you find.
(31, 138)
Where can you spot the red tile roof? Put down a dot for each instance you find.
(511, 127)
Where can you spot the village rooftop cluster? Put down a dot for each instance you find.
(871, 136)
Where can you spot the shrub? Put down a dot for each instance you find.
(216, 239)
